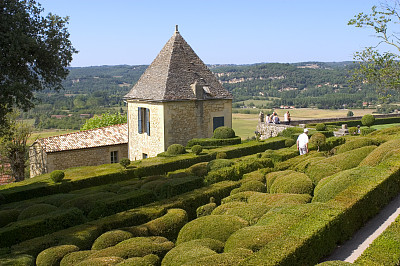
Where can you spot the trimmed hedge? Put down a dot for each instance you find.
(223, 259)
(75, 257)
(191, 250)
(168, 225)
(52, 256)
(270, 177)
(294, 183)
(218, 163)
(35, 210)
(8, 216)
(378, 121)
(378, 155)
(148, 260)
(251, 212)
(207, 142)
(278, 200)
(40, 225)
(111, 260)
(384, 250)
(318, 170)
(136, 247)
(358, 142)
(110, 238)
(252, 185)
(224, 133)
(218, 227)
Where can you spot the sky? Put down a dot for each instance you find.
(132, 32)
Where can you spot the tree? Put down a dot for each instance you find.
(368, 120)
(382, 70)
(350, 113)
(13, 145)
(318, 139)
(34, 53)
(104, 120)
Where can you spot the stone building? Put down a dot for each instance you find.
(175, 100)
(90, 147)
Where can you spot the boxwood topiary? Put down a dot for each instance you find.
(224, 133)
(197, 149)
(176, 149)
(280, 199)
(169, 224)
(188, 251)
(136, 247)
(109, 260)
(148, 260)
(218, 227)
(318, 170)
(320, 127)
(35, 210)
(358, 142)
(252, 238)
(377, 155)
(251, 212)
(76, 257)
(53, 255)
(221, 155)
(218, 163)
(368, 120)
(8, 216)
(241, 196)
(270, 177)
(294, 183)
(124, 162)
(252, 185)
(198, 169)
(110, 238)
(57, 176)
(18, 260)
(226, 258)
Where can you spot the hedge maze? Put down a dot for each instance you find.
(254, 203)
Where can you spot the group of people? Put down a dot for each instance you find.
(274, 118)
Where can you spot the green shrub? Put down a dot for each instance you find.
(87, 203)
(53, 255)
(136, 247)
(252, 238)
(213, 143)
(206, 209)
(218, 227)
(320, 127)
(335, 262)
(366, 131)
(223, 259)
(74, 258)
(353, 131)
(254, 176)
(110, 238)
(318, 170)
(349, 159)
(328, 188)
(280, 199)
(368, 120)
(176, 149)
(250, 186)
(199, 169)
(289, 142)
(191, 250)
(57, 176)
(303, 166)
(224, 133)
(197, 149)
(356, 143)
(19, 260)
(291, 132)
(58, 199)
(270, 177)
(384, 250)
(251, 212)
(294, 183)
(293, 162)
(124, 162)
(36, 210)
(318, 139)
(218, 163)
(8, 216)
(377, 155)
(221, 155)
(240, 197)
(148, 260)
(332, 142)
(109, 260)
(169, 224)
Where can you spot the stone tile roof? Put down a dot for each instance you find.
(104, 136)
(171, 74)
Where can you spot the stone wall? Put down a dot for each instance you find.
(269, 130)
(174, 123)
(42, 162)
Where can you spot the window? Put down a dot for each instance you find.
(114, 157)
(143, 120)
(144, 155)
(218, 122)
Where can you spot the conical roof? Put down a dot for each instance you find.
(173, 72)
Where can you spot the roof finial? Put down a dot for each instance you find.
(176, 28)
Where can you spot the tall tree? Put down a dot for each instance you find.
(381, 69)
(13, 145)
(34, 53)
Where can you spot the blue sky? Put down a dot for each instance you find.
(132, 32)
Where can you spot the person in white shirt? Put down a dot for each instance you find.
(302, 142)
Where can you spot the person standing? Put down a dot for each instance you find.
(302, 142)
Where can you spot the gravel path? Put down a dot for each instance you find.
(354, 247)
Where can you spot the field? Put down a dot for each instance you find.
(245, 124)
(48, 133)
